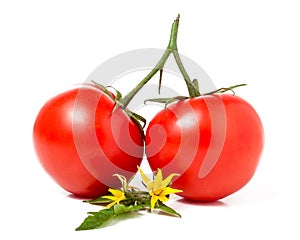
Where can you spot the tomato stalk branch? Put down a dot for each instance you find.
(123, 103)
(171, 48)
(193, 90)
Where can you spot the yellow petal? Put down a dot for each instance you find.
(150, 186)
(163, 198)
(167, 180)
(154, 199)
(146, 180)
(116, 193)
(116, 198)
(157, 183)
(168, 190)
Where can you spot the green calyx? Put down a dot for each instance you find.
(226, 89)
(138, 119)
(167, 101)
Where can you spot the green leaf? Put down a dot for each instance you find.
(105, 216)
(165, 209)
(121, 209)
(161, 207)
(99, 200)
(96, 219)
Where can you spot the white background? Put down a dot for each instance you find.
(46, 47)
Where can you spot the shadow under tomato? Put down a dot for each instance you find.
(217, 203)
(78, 197)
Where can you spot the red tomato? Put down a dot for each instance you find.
(214, 142)
(81, 142)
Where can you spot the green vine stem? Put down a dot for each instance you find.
(123, 103)
(192, 88)
(172, 48)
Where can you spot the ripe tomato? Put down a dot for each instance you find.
(81, 142)
(214, 142)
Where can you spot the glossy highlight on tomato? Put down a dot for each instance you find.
(81, 141)
(214, 142)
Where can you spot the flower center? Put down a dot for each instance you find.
(157, 192)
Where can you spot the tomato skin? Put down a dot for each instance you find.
(80, 143)
(223, 137)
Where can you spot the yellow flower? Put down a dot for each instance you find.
(158, 188)
(116, 198)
